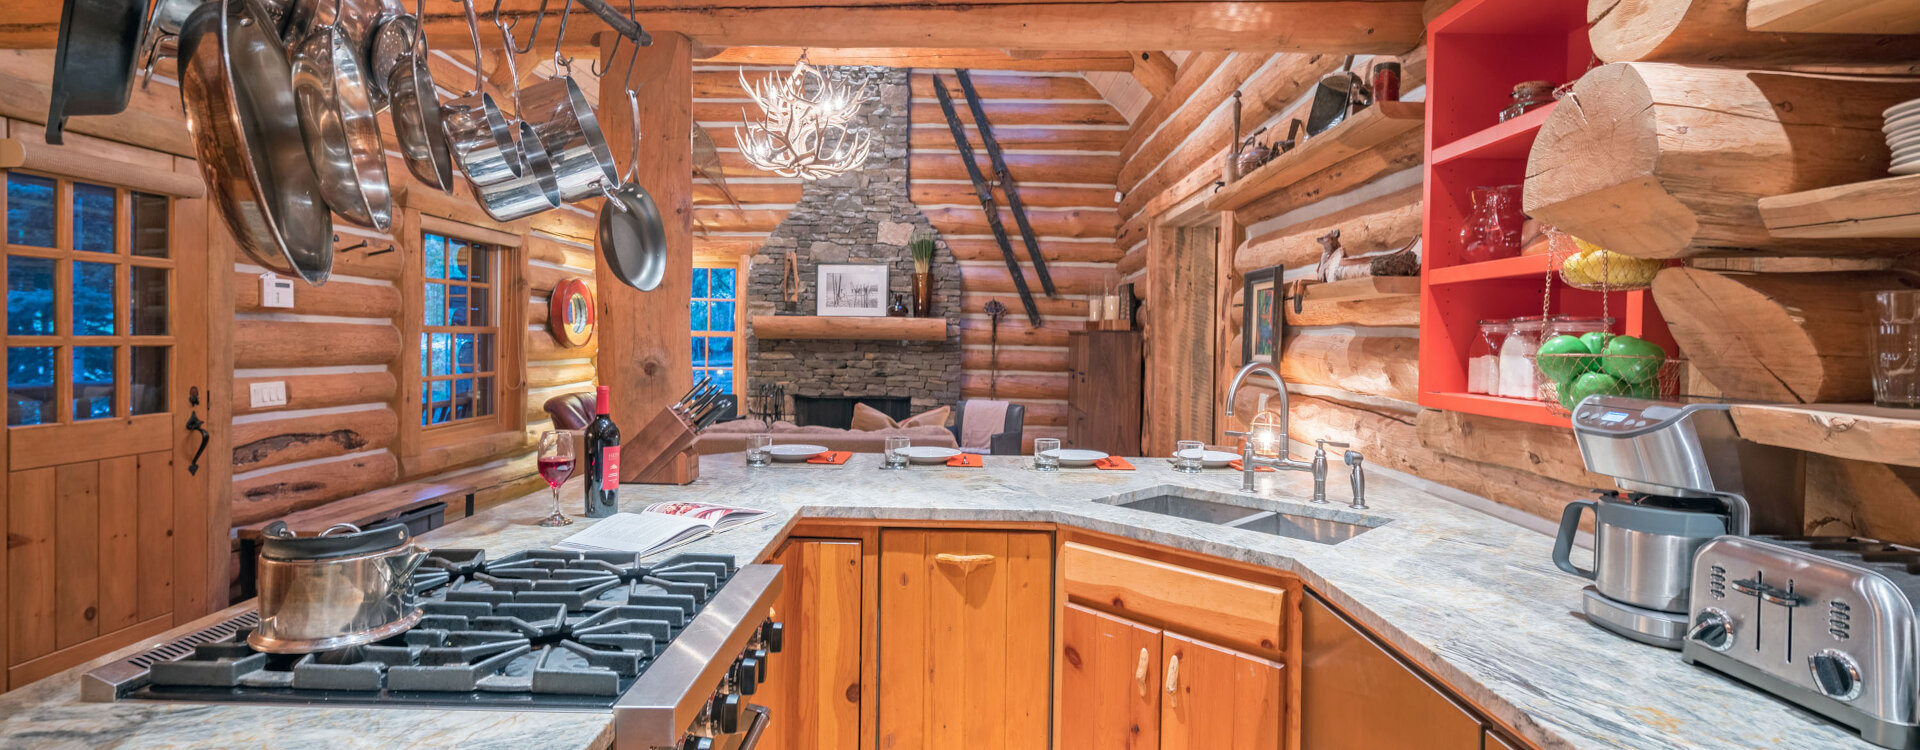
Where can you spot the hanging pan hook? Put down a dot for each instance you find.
(539, 17)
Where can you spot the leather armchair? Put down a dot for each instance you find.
(1007, 442)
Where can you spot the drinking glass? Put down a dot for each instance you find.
(1896, 349)
(759, 449)
(1043, 457)
(556, 464)
(896, 459)
(1188, 455)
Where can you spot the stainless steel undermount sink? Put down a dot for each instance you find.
(1252, 514)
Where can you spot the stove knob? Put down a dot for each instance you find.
(697, 743)
(746, 674)
(1835, 674)
(726, 713)
(760, 655)
(1713, 629)
(773, 634)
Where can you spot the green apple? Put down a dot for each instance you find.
(1632, 360)
(1562, 367)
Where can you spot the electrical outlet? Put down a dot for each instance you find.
(271, 393)
(275, 291)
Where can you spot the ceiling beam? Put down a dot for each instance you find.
(1154, 71)
(1322, 26)
(979, 59)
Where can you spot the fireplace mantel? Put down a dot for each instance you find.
(817, 327)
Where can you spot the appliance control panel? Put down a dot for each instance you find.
(1620, 415)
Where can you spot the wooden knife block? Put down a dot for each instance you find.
(661, 453)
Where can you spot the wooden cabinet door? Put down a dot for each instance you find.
(813, 684)
(1496, 742)
(1109, 682)
(1353, 693)
(965, 632)
(1214, 698)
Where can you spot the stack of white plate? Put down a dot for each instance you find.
(1903, 136)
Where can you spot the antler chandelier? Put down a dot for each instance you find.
(804, 135)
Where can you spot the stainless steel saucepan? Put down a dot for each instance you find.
(334, 590)
(342, 135)
(536, 189)
(480, 136)
(563, 118)
(632, 237)
(417, 118)
(237, 89)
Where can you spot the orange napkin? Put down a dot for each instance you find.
(1113, 463)
(967, 460)
(831, 457)
(1237, 466)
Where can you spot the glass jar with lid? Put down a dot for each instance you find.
(1575, 325)
(1516, 369)
(1483, 362)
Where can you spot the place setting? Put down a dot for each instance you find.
(762, 451)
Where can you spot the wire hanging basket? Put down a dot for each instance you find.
(1603, 364)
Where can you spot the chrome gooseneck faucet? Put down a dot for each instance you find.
(1250, 463)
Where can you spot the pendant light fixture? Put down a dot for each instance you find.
(807, 130)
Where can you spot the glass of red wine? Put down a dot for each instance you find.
(556, 465)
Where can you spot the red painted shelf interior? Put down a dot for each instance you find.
(1476, 52)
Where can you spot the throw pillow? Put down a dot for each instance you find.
(929, 418)
(867, 418)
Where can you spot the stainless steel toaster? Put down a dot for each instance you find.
(1825, 623)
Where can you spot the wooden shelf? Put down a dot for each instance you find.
(1494, 406)
(1862, 432)
(1508, 140)
(866, 329)
(1875, 208)
(1373, 300)
(1878, 17)
(1504, 268)
(1364, 130)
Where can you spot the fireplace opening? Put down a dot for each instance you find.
(837, 411)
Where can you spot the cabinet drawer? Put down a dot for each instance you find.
(1226, 610)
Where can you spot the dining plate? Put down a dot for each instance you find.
(1912, 167)
(1075, 456)
(1209, 458)
(1902, 109)
(928, 454)
(796, 452)
(1904, 139)
(1896, 124)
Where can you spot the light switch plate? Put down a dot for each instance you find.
(275, 291)
(270, 393)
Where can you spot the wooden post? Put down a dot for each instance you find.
(643, 335)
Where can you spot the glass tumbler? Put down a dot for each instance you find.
(1188, 455)
(1896, 349)
(1045, 457)
(759, 449)
(895, 459)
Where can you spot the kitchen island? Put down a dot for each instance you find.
(1471, 599)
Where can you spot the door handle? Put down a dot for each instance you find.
(966, 563)
(1140, 673)
(1173, 679)
(195, 424)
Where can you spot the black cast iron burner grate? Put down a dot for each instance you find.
(536, 629)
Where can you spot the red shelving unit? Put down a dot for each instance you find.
(1476, 52)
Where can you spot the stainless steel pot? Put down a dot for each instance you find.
(334, 590)
(479, 135)
(343, 136)
(236, 86)
(536, 188)
(1643, 551)
(562, 116)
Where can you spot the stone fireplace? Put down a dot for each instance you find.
(864, 216)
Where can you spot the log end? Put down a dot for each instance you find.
(1623, 30)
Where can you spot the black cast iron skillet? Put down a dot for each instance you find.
(93, 65)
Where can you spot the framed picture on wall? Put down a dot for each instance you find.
(858, 290)
(1261, 319)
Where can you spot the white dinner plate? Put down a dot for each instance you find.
(928, 454)
(1075, 457)
(1912, 167)
(1900, 123)
(1904, 139)
(1902, 109)
(796, 452)
(1212, 459)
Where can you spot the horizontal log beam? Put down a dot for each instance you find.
(975, 303)
(318, 391)
(1068, 224)
(959, 193)
(1372, 365)
(1034, 360)
(1025, 385)
(996, 280)
(277, 493)
(342, 299)
(276, 343)
(1384, 223)
(925, 58)
(1015, 331)
(261, 444)
(1055, 251)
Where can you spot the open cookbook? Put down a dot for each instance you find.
(658, 527)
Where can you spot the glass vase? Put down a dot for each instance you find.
(1492, 231)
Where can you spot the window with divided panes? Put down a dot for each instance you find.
(459, 337)
(87, 276)
(716, 331)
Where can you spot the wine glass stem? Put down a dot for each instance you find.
(556, 500)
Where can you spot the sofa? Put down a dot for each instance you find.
(572, 411)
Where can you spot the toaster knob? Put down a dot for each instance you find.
(1835, 674)
(1713, 629)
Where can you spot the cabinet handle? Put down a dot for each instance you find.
(966, 563)
(1173, 679)
(1140, 673)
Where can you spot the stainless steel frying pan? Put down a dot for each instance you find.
(632, 236)
(417, 118)
(237, 89)
(342, 135)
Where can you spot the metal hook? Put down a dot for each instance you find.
(594, 66)
(353, 247)
(560, 62)
(539, 17)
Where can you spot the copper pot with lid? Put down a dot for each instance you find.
(343, 587)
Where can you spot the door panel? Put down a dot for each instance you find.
(1109, 682)
(1218, 699)
(1496, 742)
(1353, 693)
(965, 629)
(813, 686)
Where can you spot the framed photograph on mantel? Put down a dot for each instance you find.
(1261, 318)
(857, 290)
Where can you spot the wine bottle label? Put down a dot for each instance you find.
(610, 467)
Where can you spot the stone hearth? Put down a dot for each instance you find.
(865, 216)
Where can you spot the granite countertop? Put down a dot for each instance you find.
(1473, 599)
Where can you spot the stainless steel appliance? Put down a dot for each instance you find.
(1824, 623)
(673, 649)
(334, 591)
(1689, 478)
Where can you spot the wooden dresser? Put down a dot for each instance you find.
(1105, 376)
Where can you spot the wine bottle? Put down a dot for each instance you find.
(603, 459)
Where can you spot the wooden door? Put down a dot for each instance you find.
(1109, 682)
(108, 531)
(1214, 698)
(1496, 742)
(813, 684)
(965, 634)
(1354, 693)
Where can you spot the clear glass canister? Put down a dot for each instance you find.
(1574, 325)
(1483, 364)
(1516, 358)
